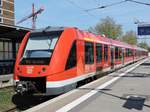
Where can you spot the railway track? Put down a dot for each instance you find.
(14, 109)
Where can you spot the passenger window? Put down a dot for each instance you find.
(89, 53)
(105, 52)
(98, 52)
(127, 52)
(116, 52)
(72, 58)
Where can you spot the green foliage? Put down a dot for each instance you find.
(108, 27)
(6, 95)
(130, 38)
(144, 45)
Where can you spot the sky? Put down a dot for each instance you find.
(71, 13)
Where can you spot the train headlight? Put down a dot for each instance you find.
(43, 69)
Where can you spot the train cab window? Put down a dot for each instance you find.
(98, 52)
(105, 52)
(89, 53)
(39, 48)
(72, 58)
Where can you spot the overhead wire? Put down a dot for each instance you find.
(97, 2)
(105, 6)
(82, 9)
(142, 3)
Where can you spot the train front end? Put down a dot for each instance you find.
(33, 60)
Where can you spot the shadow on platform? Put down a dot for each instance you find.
(132, 101)
(145, 64)
(133, 75)
(28, 101)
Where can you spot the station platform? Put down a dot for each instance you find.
(125, 90)
(6, 80)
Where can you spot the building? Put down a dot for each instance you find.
(10, 36)
(7, 12)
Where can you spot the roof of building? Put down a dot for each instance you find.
(13, 32)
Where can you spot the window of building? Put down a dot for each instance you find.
(1, 20)
(98, 52)
(6, 57)
(1, 50)
(6, 51)
(1, 11)
(105, 52)
(89, 53)
(72, 58)
(1, 3)
(17, 47)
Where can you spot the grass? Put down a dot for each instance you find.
(6, 99)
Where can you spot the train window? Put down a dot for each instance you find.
(39, 48)
(116, 52)
(127, 52)
(72, 58)
(89, 53)
(105, 52)
(98, 52)
(120, 53)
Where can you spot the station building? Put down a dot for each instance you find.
(10, 36)
(7, 12)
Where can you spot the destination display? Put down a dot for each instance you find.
(144, 30)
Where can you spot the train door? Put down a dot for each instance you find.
(89, 57)
(112, 57)
(80, 57)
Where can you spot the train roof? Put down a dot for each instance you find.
(48, 29)
(90, 36)
(109, 41)
(102, 39)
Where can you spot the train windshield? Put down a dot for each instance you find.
(39, 48)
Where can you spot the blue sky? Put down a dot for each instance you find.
(63, 13)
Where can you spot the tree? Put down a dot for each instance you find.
(130, 38)
(144, 45)
(108, 27)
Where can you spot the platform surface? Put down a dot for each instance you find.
(6, 80)
(131, 93)
(126, 90)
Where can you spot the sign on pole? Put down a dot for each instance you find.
(144, 29)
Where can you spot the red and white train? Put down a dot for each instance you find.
(52, 60)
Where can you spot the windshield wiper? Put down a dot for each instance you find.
(44, 30)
